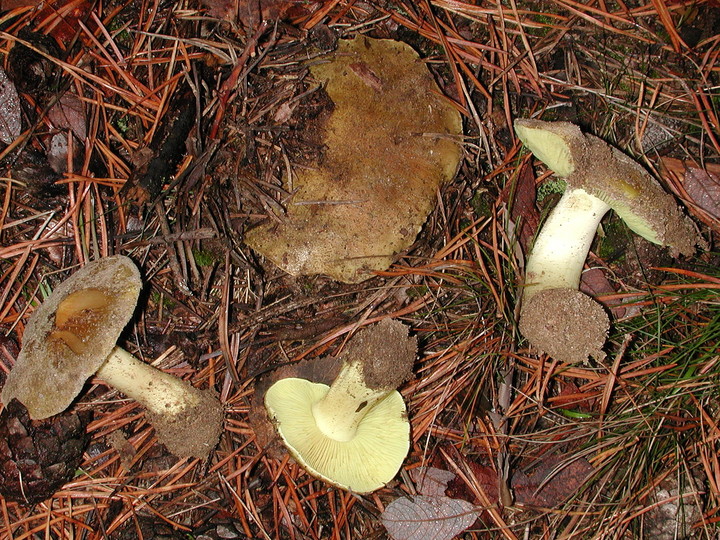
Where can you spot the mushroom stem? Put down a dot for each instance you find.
(347, 402)
(159, 392)
(563, 243)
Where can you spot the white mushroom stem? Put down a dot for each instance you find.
(159, 392)
(563, 243)
(347, 402)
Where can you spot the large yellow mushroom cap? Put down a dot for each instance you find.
(365, 463)
(391, 141)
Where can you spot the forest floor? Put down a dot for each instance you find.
(165, 130)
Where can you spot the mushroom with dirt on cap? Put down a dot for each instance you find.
(555, 316)
(355, 433)
(72, 336)
(361, 202)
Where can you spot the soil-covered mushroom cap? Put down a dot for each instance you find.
(71, 334)
(390, 141)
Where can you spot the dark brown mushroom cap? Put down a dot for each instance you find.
(589, 163)
(60, 352)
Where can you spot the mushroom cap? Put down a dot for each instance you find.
(588, 162)
(556, 144)
(390, 142)
(363, 464)
(71, 334)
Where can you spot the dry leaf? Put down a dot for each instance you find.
(570, 397)
(524, 211)
(430, 515)
(703, 187)
(250, 13)
(484, 478)
(69, 113)
(67, 14)
(593, 282)
(284, 112)
(431, 481)
(551, 482)
(7, 5)
(10, 113)
(424, 518)
(63, 15)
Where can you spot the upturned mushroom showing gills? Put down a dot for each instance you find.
(555, 316)
(72, 336)
(355, 433)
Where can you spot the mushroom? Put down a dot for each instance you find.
(389, 143)
(355, 433)
(72, 336)
(555, 316)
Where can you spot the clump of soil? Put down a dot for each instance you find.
(566, 324)
(188, 434)
(38, 456)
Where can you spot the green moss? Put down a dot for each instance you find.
(551, 187)
(482, 203)
(157, 299)
(613, 242)
(122, 124)
(204, 258)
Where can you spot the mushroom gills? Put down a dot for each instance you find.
(363, 464)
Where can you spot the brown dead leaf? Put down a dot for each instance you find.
(696, 185)
(430, 514)
(551, 482)
(61, 16)
(222, 9)
(484, 477)
(7, 5)
(250, 12)
(69, 113)
(523, 210)
(593, 282)
(423, 517)
(431, 481)
(571, 397)
(703, 187)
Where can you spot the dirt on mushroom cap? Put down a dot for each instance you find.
(635, 196)
(566, 324)
(48, 374)
(187, 434)
(388, 148)
(386, 352)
